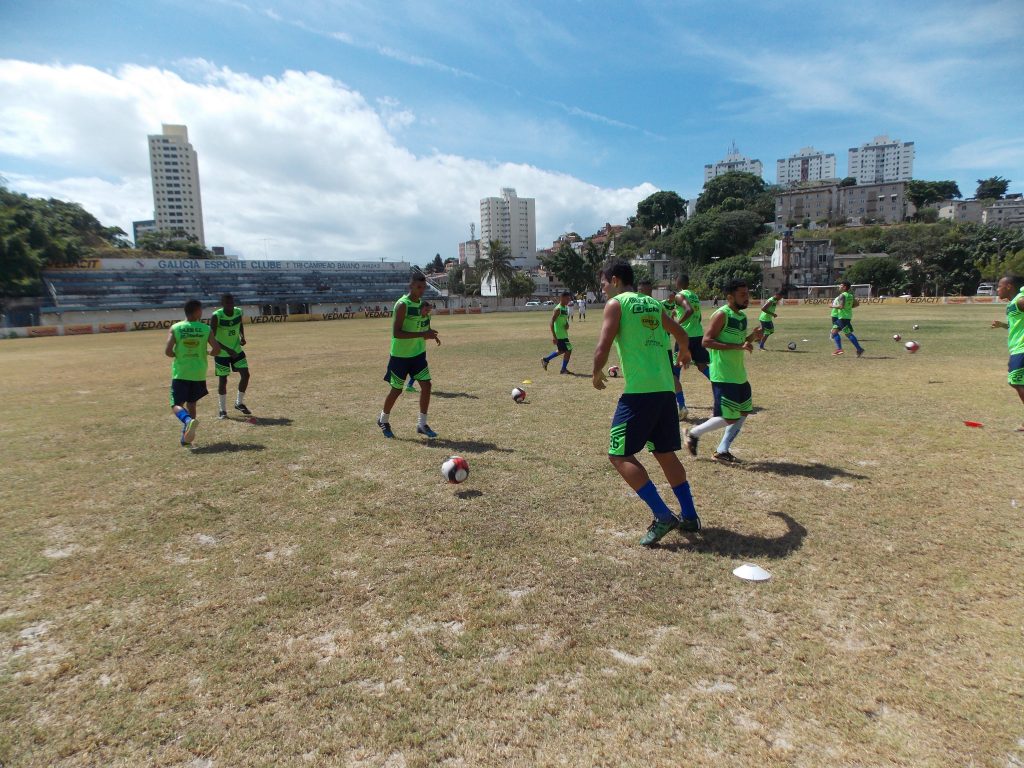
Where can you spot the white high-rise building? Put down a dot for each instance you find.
(733, 161)
(806, 165)
(511, 220)
(174, 167)
(882, 160)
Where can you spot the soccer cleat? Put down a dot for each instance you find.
(837, 351)
(691, 443)
(222, 415)
(544, 363)
(188, 432)
(566, 371)
(689, 524)
(725, 457)
(385, 428)
(657, 530)
(860, 352)
(410, 388)
(426, 432)
(683, 412)
(241, 407)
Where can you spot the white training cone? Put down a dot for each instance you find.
(752, 572)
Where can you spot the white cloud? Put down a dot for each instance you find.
(299, 159)
(990, 154)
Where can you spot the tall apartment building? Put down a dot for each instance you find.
(511, 220)
(882, 160)
(733, 161)
(1004, 213)
(806, 165)
(174, 168)
(862, 204)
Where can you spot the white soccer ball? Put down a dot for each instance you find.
(791, 346)
(613, 371)
(916, 327)
(912, 346)
(518, 394)
(896, 337)
(455, 469)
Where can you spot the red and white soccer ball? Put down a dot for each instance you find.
(518, 394)
(896, 337)
(613, 371)
(912, 346)
(455, 469)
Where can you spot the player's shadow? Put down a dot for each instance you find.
(467, 446)
(474, 494)
(453, 395)
(228, 448)
(815, 471)
(726, 543)
(792, 351)
(879, 357)
(277, 421)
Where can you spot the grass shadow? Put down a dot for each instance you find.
(276, 421)
(228, 448)
(726, 543)
(815, 471)
(792, 351)
(577, 375)
(470, 494)
(467, 446)
(453, 395)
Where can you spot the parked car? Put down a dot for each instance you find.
(549, 303)
(986, 289)
(532, 304)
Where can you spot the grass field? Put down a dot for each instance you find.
(303, 592)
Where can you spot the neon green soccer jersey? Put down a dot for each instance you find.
(1015, 322)
(562, 322)
(641, 345)
(229, 329)
(846, 306)
(764, 317)
(190, 340)
(692, 326)
(727, 366)
(414, 322)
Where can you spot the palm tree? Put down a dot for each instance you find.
(496, 266)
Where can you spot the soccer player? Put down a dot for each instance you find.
(842, 321)
(186, 346)
(1011, 288)
(581, 307)
(769, 311)
(688, 315)
(409, 332)
(425, 309)
(560, 333)
(727, 338)
(646, 287)
(227, 325)
(645, 413)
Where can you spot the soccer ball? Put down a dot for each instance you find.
(916, 327)
(613, 371)
(455, 469)
(518, 394)
(791, 346)
(912, 346)
(896, 337)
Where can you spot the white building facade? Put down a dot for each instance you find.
(733, 161)
(174, 168)
(511, 220)
(1004, 213)
(806, 165)
(882, 160)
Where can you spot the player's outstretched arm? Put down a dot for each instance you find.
(609, 330)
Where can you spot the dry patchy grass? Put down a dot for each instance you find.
(301, 591)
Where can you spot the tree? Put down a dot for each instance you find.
(737, 190)
(594, 257)
(177, 240)
(660, 210)
(437, 265)
(520, 286)
(717, 274)
(884, 273)
(495, 266)
(993, 187)
(924, 193)
(715, 235)
(569, 267)
(849, 181)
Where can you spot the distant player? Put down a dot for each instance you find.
(769, 311)
(409, 332)
(646, 287)
(227, 325)
(727, 339)
(688, 315)
(186, 345)
(425, 308)
(1011, 289)
(645, 413)
(560, 333)
(581, 308)
(842, 319)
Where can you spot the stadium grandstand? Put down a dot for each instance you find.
(263, 287)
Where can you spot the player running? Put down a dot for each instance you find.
(645, 413)
(842, 319)
(688, 315)
(769, 311)
(1011, 288)
(409, 332)
(560, 333)
(727, 338)
(186, 345)
(227, 325)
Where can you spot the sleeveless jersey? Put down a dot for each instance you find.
(1015, 321)
(562, 322)
(414, 322)
(846, 307)
(190, 339)
(727, 365)
(229, 329)
(764, 316)
(692, 326)
(641, 346)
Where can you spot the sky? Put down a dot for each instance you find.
(353, 129)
